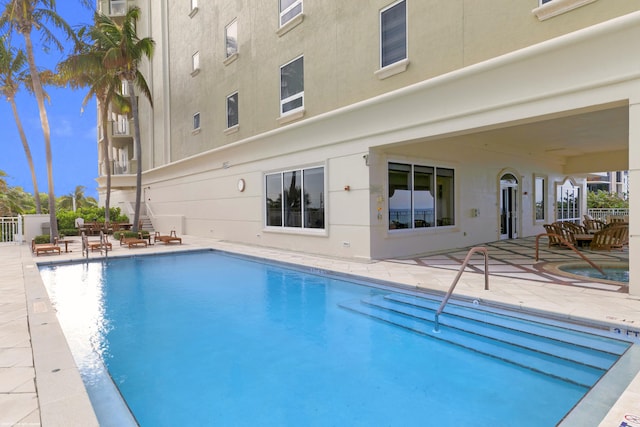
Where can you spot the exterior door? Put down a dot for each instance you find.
(508, 207)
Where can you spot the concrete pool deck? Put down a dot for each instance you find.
(40, 384)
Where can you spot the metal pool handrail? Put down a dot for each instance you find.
(570, 246)
(455, 281)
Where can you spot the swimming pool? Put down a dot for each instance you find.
(207, 338)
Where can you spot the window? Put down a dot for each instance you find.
(118, 7)
(232, 110)
(549, 8)
(289, 9)
(292, 86)
(568, 202)
(231, 39)
(196, 121)
(195, 63)
(295, 199)
(539, 197)
(420, 196)
(393, 34)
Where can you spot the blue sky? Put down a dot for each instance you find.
(73, 134)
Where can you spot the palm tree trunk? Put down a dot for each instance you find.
(104, 116)
(27, 153)
(138, 152)
(37, 90)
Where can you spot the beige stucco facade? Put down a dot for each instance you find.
(489, 89)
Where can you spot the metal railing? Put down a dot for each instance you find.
(455, 281)
(570, 246)
(602, 214)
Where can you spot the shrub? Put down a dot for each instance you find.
(42, 238)
(68, 232)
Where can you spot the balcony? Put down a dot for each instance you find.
(121, 128)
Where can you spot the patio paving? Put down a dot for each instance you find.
(40, 385)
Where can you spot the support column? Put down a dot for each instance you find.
(634, 191)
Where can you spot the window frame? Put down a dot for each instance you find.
(381, 34)
(575, 206)
(283, 13)
(413, 223)
(304, 216)
(226, 39)
(237, 123)
(544, 199)
(195, 63)
(295, 96)
(196, 123)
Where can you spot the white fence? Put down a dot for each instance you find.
(11, 229)
(603, 214)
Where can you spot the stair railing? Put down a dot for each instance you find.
(455, 281)
(570, 246)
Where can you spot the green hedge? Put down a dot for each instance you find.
(67, 219)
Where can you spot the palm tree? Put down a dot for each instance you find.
(12, 75)
(76, 200)
(86, 68)
(124, 52)
(23, 16)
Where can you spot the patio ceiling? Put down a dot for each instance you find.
(581, 141)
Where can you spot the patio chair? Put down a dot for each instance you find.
(574, 228)
(132, 241)
(166, 239)
(105, 244)
(559, 235)
(593, 225)
(38, 248)
(612, 237)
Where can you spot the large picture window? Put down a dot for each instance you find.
(295, 199)
(292, 86)
(393, 34)
(568, 202)
(420, 196)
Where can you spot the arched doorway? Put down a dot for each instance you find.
(509, 206)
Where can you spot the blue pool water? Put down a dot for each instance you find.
(211, 339)
(617, 274)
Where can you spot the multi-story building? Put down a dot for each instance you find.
(611, 182)
(382, 128)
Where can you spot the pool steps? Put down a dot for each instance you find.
(578, 357)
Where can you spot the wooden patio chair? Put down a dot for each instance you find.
(105, 244)
(166, 239)
(38, 248)
(593, 225)
(612, 237)
(575, 228)
(132, 241)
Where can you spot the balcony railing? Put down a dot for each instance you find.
(120, 128)
(120, 168)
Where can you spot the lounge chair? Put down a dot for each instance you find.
(132, 241)
(612, 237)
(38, 248)
(105, 244)
(167, 239)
